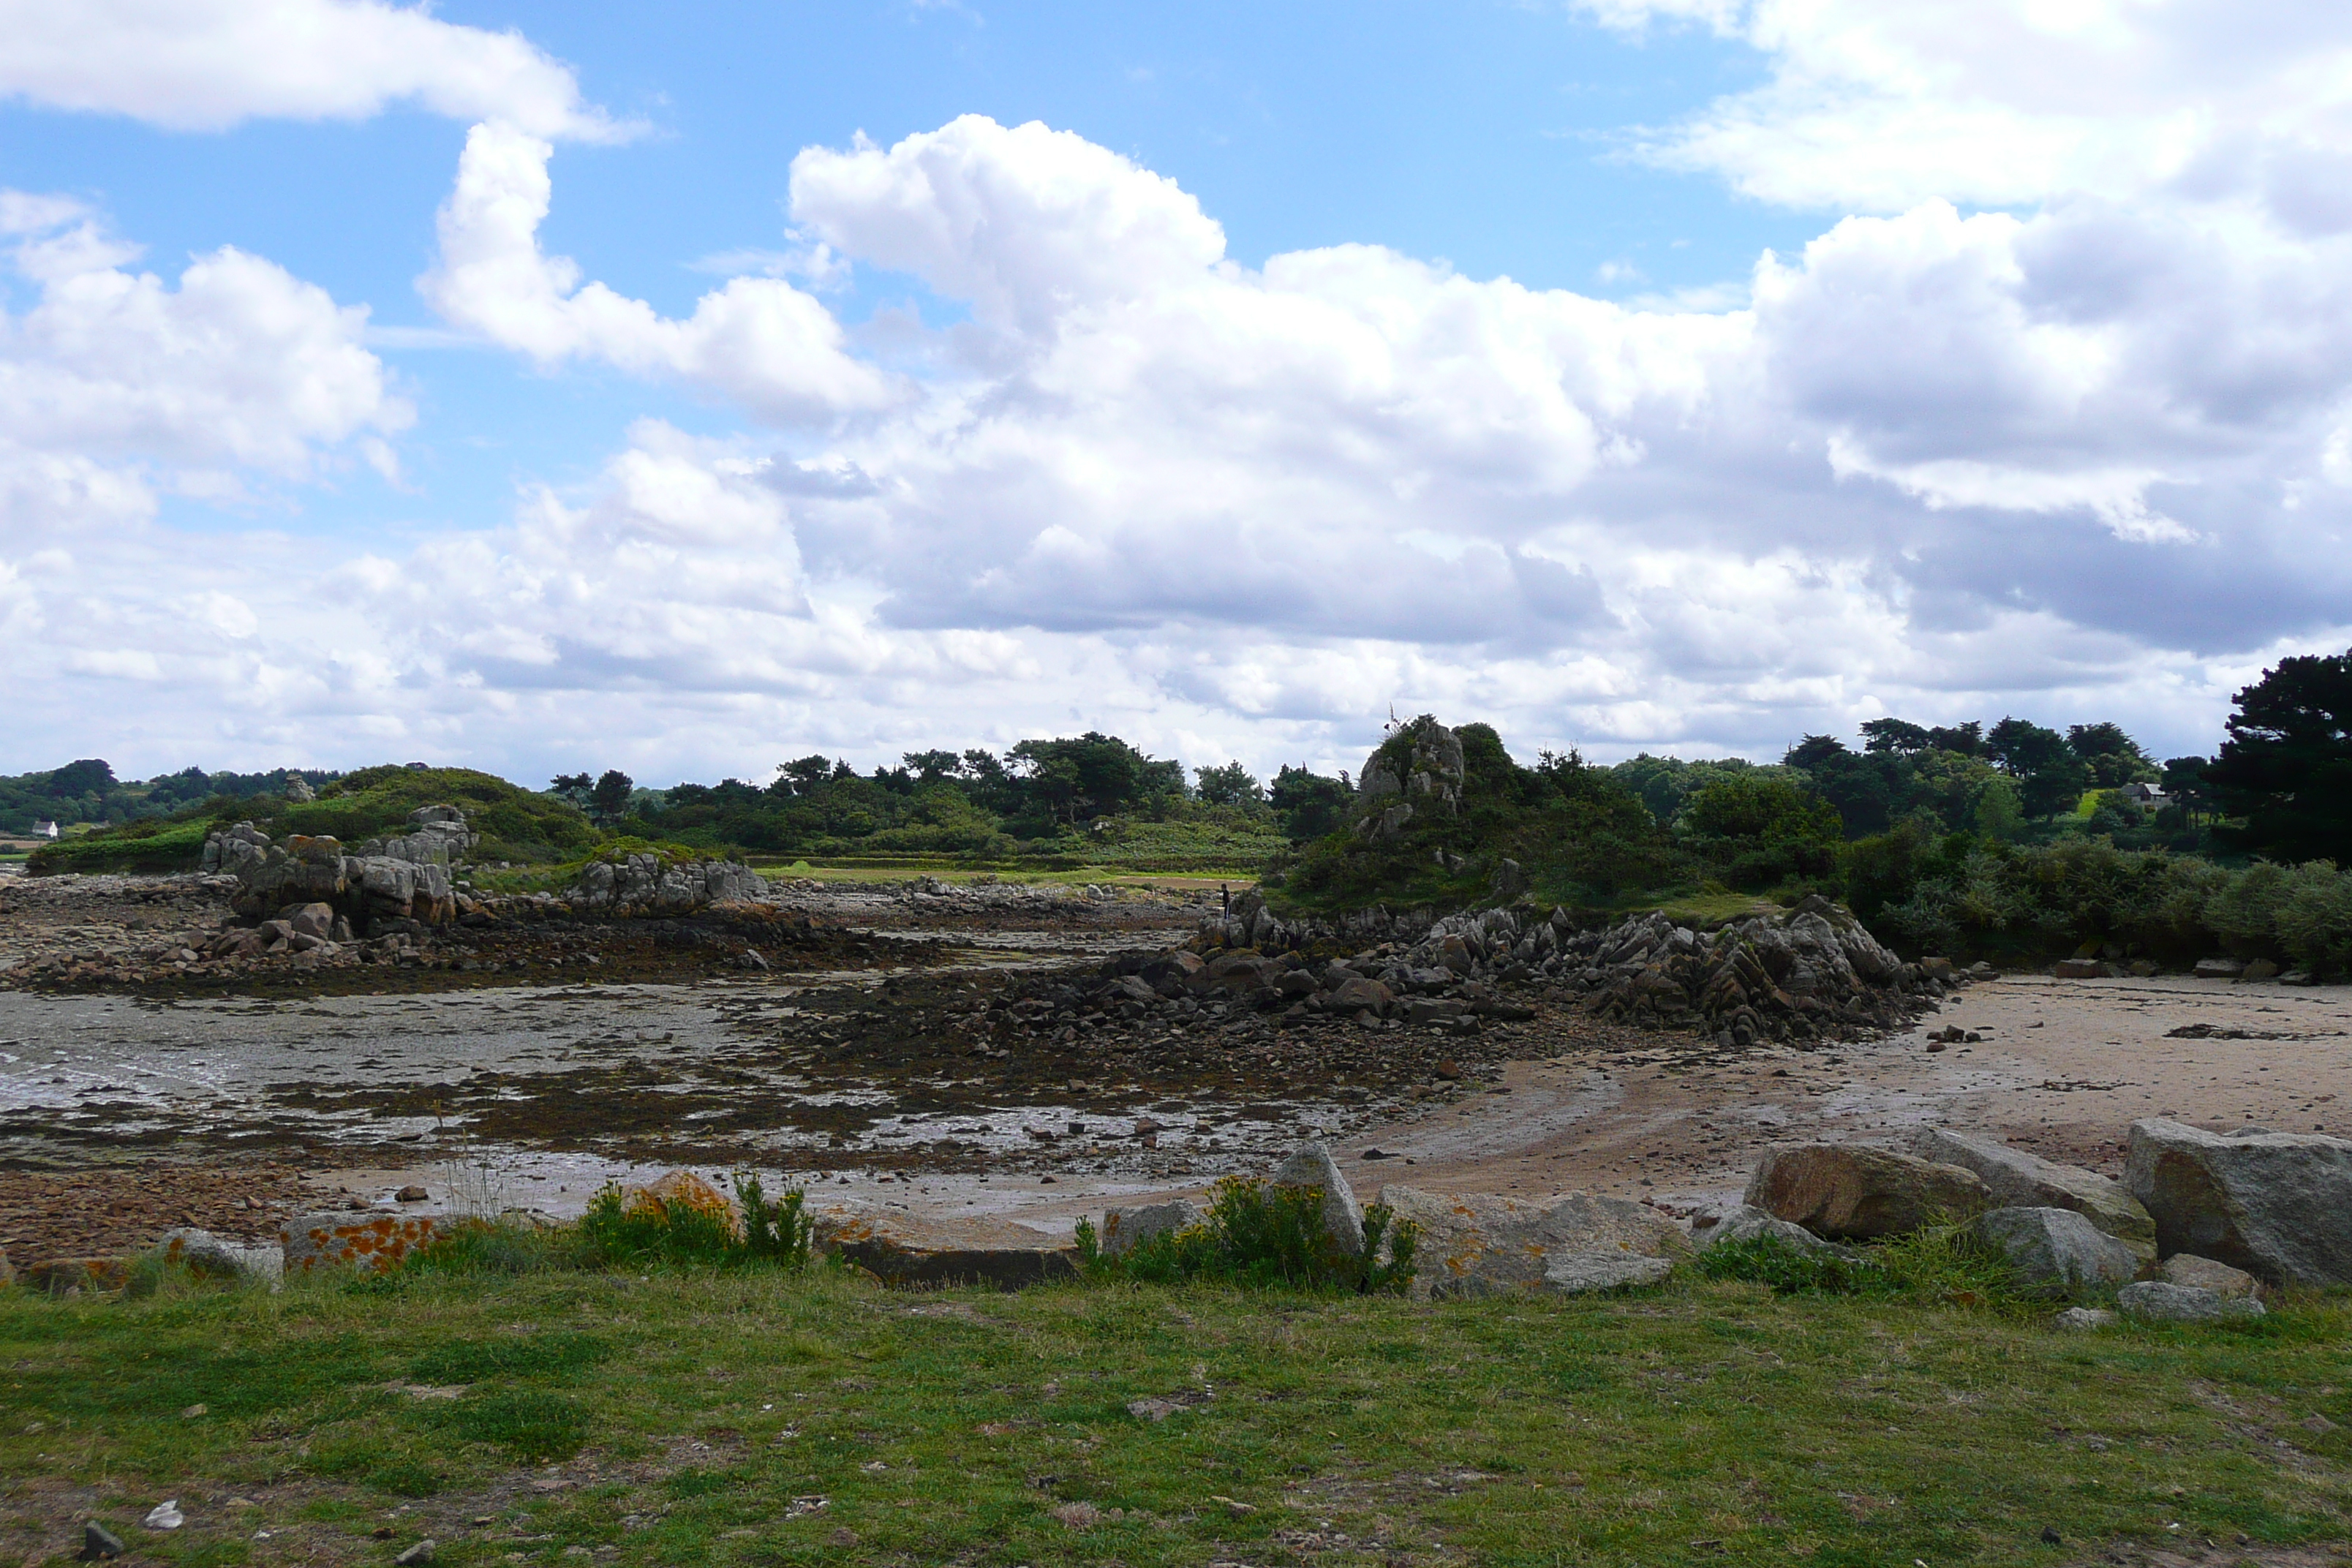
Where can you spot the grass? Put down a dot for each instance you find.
(774, 1418)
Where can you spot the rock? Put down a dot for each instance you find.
(1746, 1224)
(647, 883)
(1940, 970)
(899, 1248)
(2204, 1274)
(2020, 1180)
(419, 1553)
(2080, 969)
(1122, 1228)
(677, 1192)
(2081, 1317)
(1343, 1217)
(1481, 1244)
(203, 1253)
(1357, 995)
(2154, 1301)
(63, 1276)
(2259, 969)
(377, 1243)
(1849, 1191)
(1580, 1272)
(2219, 968)
(2055, 1251)
(2276, 1204)
(99, 1543)
(312, 921)
(165, 1515)
(411, 1194)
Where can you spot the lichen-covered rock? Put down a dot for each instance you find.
(342, 1239)
(678, 1193)
(1343, 1218)
(2022, 1180)
(2276, 1204)
(2055, 1251)
(1484, 1244)
(1848, 1192)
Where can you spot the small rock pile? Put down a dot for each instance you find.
(403, 877)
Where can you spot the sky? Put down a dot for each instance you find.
(544, 387)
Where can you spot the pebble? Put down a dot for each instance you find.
(99, 1543)
(165, 1515)
(420, 1552)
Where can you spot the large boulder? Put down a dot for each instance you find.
(1483, 1243)
(203, 1253)
(2022, 1180)
(1847, 1192)
(2055, 1251)
(1343, 1217)
(2204, 1274)
(2276, 1204)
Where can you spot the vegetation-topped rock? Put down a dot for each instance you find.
(656, 881)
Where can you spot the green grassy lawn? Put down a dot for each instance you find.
(761, 1418)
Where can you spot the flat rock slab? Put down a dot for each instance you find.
(1850, 1191)
(1122, 1228)
(1484, 1244)
(2154, 1301)
(2275, 1204)
(347, 1238)
(907, 1249)
(2018, 1179)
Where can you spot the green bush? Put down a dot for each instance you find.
(1261, 1235)
(776, 1234)
(1937, 1263)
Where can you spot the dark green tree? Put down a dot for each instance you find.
(2286, 767)
(1895, 735)
(2050, 777)
(1229, 783)
(1307, 804)
(609, 801)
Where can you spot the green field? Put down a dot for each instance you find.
(766, 1418)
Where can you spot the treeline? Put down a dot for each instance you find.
(87, 792)
(1092, 795)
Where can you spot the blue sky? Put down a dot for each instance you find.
(2039, 409)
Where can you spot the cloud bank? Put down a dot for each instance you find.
(2086, 456)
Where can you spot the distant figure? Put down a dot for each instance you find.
(1225, 895)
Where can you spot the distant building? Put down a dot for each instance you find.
(2147, 795)
(44, 830)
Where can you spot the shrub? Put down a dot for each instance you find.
(1941, 1263)
(615, 1230)
(1263, 1235)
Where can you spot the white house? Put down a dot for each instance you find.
(44, 830)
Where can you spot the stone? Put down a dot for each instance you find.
(2204, 1274)
(1940, 970)
(99, 1543)
(1746, 1224)
(905, 1249)
(1580, 1272)
(2055, 1251)
(203, 1253)
(2080, 969)
(1848, 1192)
(2259, 969)
(2275, 1204)
(679, 1193)
(2219, 968)
(2085, 1318)
(1122, 1228)
(1343, 1218)
(1481, 1244)
(2154, 1301)
(412, 1193)
(62, 1276)
(419, 1553)
(1356, 995)
(342, 1239)
(165, 1515)
(2018, 1179)
(312, 921)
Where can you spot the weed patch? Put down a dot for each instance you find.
(1261, 1235)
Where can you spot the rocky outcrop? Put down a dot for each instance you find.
(1847, 1192)
(1483, 1244)
(2276, 1204)
(404, 877)
(648, 884)
(900, 1248)
(340, 1239)
(2024, 1180)
(2056, 1252)
(1418, 773)
(1809, 973)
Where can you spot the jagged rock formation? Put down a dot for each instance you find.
(405, 876)
(647, 883)
(1811, 974)
(1429, 780)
